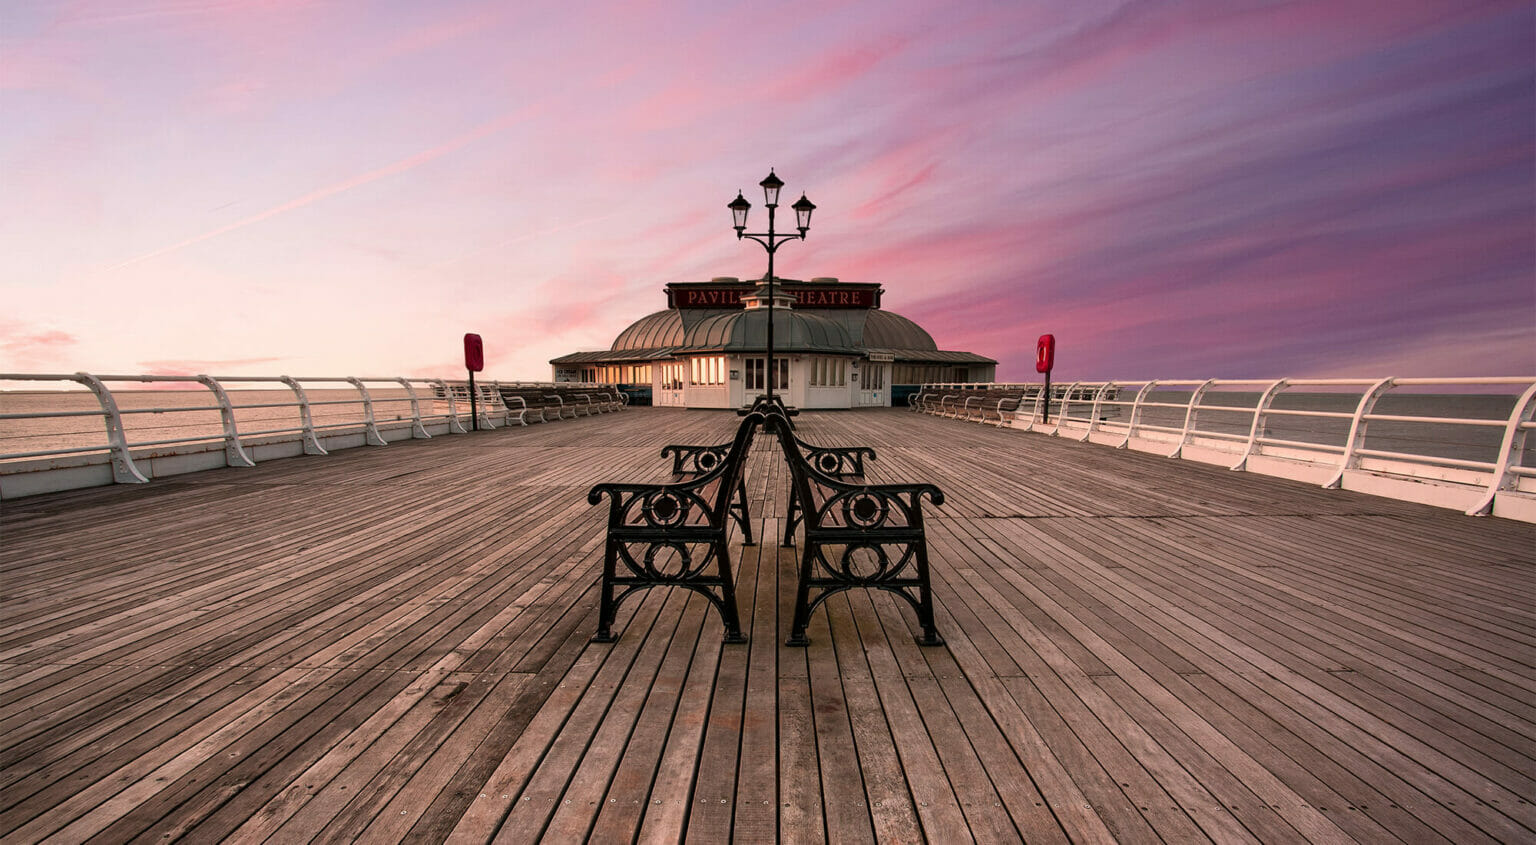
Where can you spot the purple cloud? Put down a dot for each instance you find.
(1185, 189)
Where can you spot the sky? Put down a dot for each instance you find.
(1179, 189)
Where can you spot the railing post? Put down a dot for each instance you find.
(1357, 431)
(418, 431)
(1035, 414)
(1189, 416)
(1093, 421)
(454, 426)
(371, 434)
(1066, 405)
(1510, 452)
(311, 442)
(1130, 427)
(123, 470)
(1258, 423)
(490, 397)
(506, 412)
(234, 454)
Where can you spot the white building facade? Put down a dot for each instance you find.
(834, 347)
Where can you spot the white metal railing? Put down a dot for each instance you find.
(1248, 419)
(313, 412)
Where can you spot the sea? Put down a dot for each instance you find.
(183, 415)
(151, 416)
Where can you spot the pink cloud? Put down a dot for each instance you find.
(27, 347)
(393, 169)
(1163, 185)
(200, 366)
(24, 68)
(841, 65)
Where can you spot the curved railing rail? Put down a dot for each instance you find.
(1456, 442)
(182, 423)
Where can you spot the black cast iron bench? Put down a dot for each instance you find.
(840, 462)
(674, 535)
(689, 462)
(858, 536)
(837, 461)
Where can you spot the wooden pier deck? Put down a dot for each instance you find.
(391, 644)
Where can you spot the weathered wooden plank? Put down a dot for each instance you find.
(385, 642)
(629, 791)
(936, 805)
(713, 797)
(801, 816)
(507, 786)
(561, 798)
(757, 788)
(846, 810)
(887, 800)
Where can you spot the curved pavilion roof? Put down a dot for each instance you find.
(889, 330)
(747, 331)
(675, 333)
(661, 330)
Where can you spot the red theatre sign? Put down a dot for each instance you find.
(835, 297)
(829, 296)
(709, 298)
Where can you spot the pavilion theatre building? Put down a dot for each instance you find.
(834, 347)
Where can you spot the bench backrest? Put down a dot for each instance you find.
(533, 397)
(651, 511)
(718, 485)
(882, 512)
(836, 461)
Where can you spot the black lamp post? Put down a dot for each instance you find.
(771, 241)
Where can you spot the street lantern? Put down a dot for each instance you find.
(803, 208)
(739, 208)
(771, 187)
(771, 241)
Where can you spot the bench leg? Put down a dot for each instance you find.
(923, 603)
(740, 512)
(605, 607)
(802, 598)
(728, 615)
(930, 634)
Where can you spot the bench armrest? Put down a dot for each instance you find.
(691, 460)
(836, 461)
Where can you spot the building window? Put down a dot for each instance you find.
(829, 372)
(708, 370)
(874, 377)
(918, 374)
(756, 367)
(671, 376)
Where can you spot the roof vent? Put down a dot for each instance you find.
(725, 280)
(824, 280)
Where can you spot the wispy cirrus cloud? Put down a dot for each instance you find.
(392, 169)
(27, 347)
(1195, 187)
(210, 366)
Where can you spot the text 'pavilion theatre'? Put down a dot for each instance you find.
(833, 348)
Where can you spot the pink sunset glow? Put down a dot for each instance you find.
(1176, 190)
